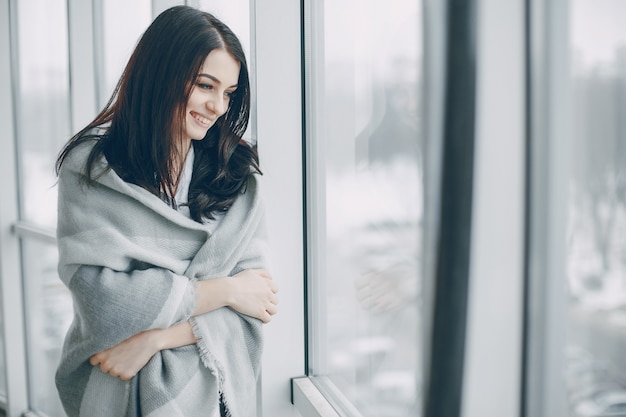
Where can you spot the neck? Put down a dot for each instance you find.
(182, 147)
(180, 153)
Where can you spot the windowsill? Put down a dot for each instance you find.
(309, 401)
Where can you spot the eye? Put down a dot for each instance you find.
(205, 86)
(229, 94)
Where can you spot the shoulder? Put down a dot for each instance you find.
(253, 187)
(252, 195)
(76, 158)
(248, 196)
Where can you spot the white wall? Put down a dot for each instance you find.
(279, 132)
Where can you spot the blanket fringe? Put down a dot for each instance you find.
(209, 361)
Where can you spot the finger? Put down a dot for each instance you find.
(267, 317)
(273, 299)
(115, 371)
(106, 368)
(367, 302)
(126, 376)
(272, 309)
(381, 285)
(95, 359)
(363, 293)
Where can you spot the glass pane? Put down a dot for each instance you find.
(366, 198)
(123, 22)
(596, 359)
(49, 315)
(43, 103)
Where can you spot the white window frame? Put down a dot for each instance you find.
(279, 134)
(546, 304)
(493, 355)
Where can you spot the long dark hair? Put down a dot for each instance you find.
(148, 104)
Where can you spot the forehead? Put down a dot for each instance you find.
(222, 65)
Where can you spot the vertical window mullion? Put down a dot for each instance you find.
(278, 128)
(11, 291)
(548, 154)
(83, 26)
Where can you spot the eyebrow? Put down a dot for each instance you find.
(215, 79)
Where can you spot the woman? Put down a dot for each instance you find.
(161, 237)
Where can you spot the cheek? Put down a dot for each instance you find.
(227, 104)
(195, 97)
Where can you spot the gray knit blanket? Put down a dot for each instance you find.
(131, 262)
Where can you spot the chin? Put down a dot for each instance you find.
(199, 135)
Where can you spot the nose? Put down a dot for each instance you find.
(217, 106)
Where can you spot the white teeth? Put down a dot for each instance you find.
(201, 119)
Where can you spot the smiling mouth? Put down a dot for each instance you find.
(201, 119)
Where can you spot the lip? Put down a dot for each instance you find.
(201, 119)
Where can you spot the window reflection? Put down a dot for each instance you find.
(596, 364)
(369, 204)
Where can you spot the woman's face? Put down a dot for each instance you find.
(210, 95)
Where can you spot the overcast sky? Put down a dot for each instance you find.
(597, 29)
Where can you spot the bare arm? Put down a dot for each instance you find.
(126, 359)
(251, 292)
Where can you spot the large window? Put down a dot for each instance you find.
(387, 116)
(364, 153)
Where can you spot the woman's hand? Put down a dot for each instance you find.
(126, 359)
(253, 292)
